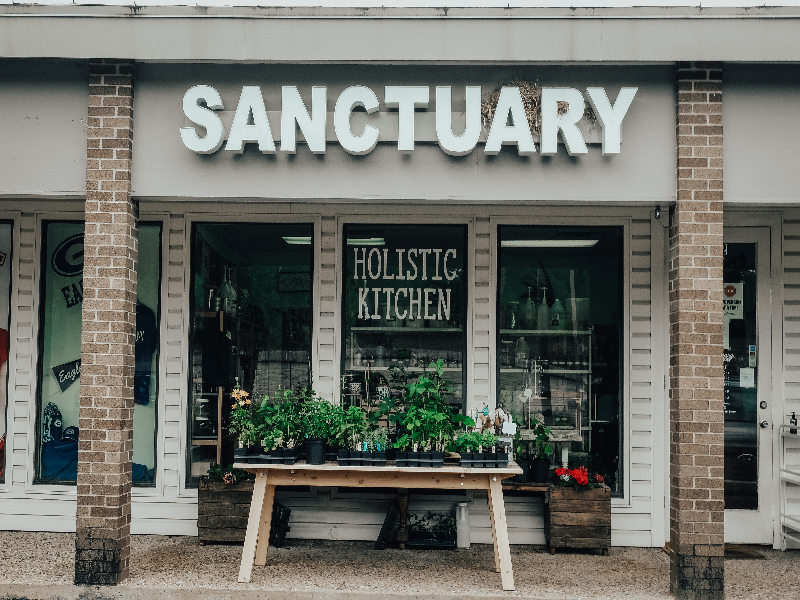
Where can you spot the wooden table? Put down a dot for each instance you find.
(332, 475)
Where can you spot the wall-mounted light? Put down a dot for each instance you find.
(658, 213)
(298, 240)
(548, 243)
(375, 241)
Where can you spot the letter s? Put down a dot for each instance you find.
(205, 117)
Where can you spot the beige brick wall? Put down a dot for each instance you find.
(109, 331)
(696, 371)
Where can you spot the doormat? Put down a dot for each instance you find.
(734, 551)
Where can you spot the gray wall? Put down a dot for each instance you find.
(43, 116)
(761, 118)
(165, 168)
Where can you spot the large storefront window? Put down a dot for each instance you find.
(404, 307)
(60, 346)
(560, 313)
(252, 315)
(5, 314)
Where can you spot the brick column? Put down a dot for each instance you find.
(695, 313)
(102, 543)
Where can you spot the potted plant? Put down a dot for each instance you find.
(223, 504)
(351, 428)
(477, 450)
(321, 422)
(425, 420)
(431, 530)
(542, 452)
(578, 513)
(280, 427)
(242, 423)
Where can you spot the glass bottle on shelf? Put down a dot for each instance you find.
(521, 353)
(228, 294)
(511, 315)
(544, 311)
(557, 316)
(528, 313)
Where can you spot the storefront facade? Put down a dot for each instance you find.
(294, 194)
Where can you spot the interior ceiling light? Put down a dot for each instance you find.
(366, 242)
(548, 243)
(295, 241)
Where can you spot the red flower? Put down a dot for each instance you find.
(599, 478)
(560, 471)
(580, 475)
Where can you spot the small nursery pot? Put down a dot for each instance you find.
(315, 451)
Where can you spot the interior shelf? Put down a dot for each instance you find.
(407, 330)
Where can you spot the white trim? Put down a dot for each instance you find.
(774, 222)
(11, 370)
(625, 502)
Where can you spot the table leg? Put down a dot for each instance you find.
(264, 527)
(253, 523)
(494, 536)
(498, 517)
(402, 504)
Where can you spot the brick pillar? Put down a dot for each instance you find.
(695, 313)
(102, 543)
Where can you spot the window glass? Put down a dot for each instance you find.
(5, 314)
(60, 347)
(252, 301)
(560, 325)
(404, 307)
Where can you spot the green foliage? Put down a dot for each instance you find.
(321, 419)
(425, 417)
(474, 442)
(352, 426)
(542, 448)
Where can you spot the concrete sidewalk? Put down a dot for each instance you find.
(40, 566)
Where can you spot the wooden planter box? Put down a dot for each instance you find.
(578, 518)
(222, 510)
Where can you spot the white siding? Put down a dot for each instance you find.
(329, 513)
(791, 346)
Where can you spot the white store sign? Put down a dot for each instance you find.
(509, 127)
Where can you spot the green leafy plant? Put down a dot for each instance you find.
(542, 448)
(321, 419)
(474, 442)
(352, 426)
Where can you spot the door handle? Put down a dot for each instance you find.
(763, 424)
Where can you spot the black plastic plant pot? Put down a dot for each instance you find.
(437, 459)
(343, 456)
(315, 451)
(466, 460)
(525, 477)
(477, 460)
(540, 471)
(379, 459)
(259, 459)
(401, 458)
(331, 453)
(289, 456)
(239, 452)
(490, 460)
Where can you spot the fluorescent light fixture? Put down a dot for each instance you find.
(366, 242)
(548, 243)
(297, 241)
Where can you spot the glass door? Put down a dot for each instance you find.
(746, 360)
